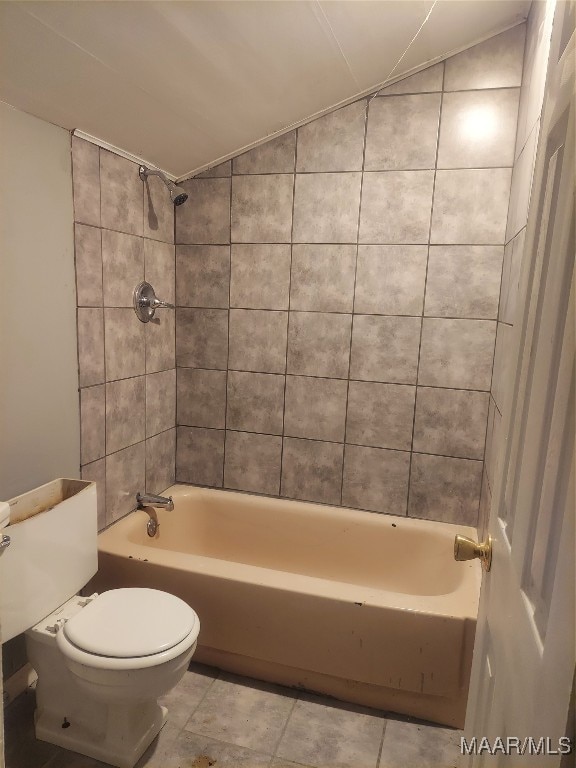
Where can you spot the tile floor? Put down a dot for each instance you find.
(225, 721)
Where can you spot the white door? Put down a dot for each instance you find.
(523, 669)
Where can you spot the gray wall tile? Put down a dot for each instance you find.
(124, 338)
(502, 363)
(402, 132)
(457, 353)
(86, 181)
(470, 206)
(376, 479)
(90, 346)
(521, 189)
(125, 413)
(390, 279)
(262, 208)
(92, 424)
(121, 194)
(88, 254)
(385, 349)
(125, 476)
(319, 344)
(274, 156)
(428, 80)
(260, 276)
(312, 470)
(495, 63)
(123, 267)
(159, 268)
(380, 415)
(334, 142)
(205, 216)
(323, 277)
(217, 172)
(96, 472)
(201, 398)
(160, 461)
(451, 422)
(200, 456)
(315, 408)
(253, 462)
(258, 340)
(255, 402)
(160, 341)
(396, 207)
(202, 338)
(464, 281)
(326, 207)
(202, 275)
(513, 256)
(160, 402)
(445, 489)
(158, 211)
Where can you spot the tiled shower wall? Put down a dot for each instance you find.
(337, 296)
(124, 233)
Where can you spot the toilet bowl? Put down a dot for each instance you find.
(102, 663)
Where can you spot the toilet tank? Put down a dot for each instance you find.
(53, 552)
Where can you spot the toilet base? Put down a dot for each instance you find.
(130, 731)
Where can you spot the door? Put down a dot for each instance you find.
(523, 668)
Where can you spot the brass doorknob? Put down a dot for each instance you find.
(467, 549)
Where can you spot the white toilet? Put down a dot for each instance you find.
(102, 661)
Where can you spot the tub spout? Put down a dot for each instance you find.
(149, 500)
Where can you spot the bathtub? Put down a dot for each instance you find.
(368, 608)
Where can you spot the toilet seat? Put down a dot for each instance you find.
(131, 628)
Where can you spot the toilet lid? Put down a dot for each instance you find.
(125, 623)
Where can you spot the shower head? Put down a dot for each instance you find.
(177, 194)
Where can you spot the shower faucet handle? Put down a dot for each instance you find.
(146, 302)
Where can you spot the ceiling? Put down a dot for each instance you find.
(183, 84)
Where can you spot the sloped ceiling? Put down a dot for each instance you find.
(184, 84)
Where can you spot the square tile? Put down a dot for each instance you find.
(445, 489)
(312, 470)
(376, 479)
(202, 338)
(451, 422)
(123, 267)
(96, 472)
(124, 336)
(417, 744)
(521, 188)
(202, 275)
(478, 129)
(502, 364)
(160, 401)
(86, 181)
(258, 340)
(121, 194)
(319, 344)
(260, 276)
(390, 279)
(332, 734)
(457, 353)
(464, 281)
(470, 206)
(513, 257)
(495, 63)
(182, 700)
(90, 346)
(205, 217)
(201, 398)
(88, 257)
(315, 408)
(160, 336)
(92, 424)
(160, 269)
(160, 466)
(192, 749)
(217, 171)
(323, 277)
(252, 462)
(262, 208)
(380, 415)
(326, 207)
(255, 402)
(429, 80)
(402, 132)
(200, 456)
(245, 713)
(333, 142)
(385, 349)
(158, 211)
(274, 156)
(396, 207)
(125, 413)
(125, 476)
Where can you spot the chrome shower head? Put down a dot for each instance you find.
(177, 194)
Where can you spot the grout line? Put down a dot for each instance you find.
(197, 707)
(228, 331)
(500, 244)
(380, 751)
(284, 729)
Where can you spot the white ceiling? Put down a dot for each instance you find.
(183, 84)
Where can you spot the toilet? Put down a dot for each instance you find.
(104, 660)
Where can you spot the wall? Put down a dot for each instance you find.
(38, 407)
(123, 234)
(538, 32)
(337, 292)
